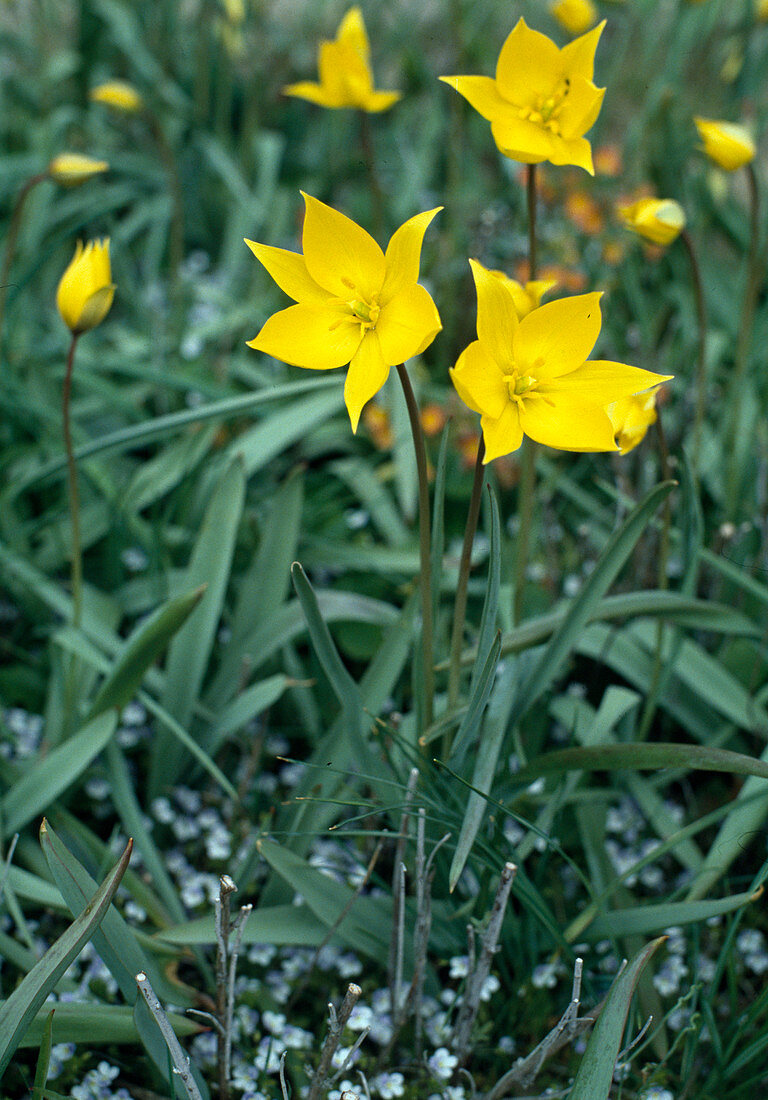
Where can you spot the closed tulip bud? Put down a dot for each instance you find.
(71, 169)
(575, 16)
(119, 95)
(726, 143)
(86, 289)
(657, 220)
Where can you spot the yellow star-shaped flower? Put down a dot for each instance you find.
(345, 73)
(354, 303)
(532, 377)
(542, 101)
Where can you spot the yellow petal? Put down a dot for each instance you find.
(576, 16)
(315, 93)
(341, 257)
(381, 101)
(521, 140)
(289, 270)
(557, 337)
(657, 220)
(479, 382)
(118, 95)
(528, 65)
(567, 425)
(70, 169)
(580, 107)
(85, 291)
(602, 381)
(403, 254)
(367, 373)
(631, 417)
(502, 435)
(334, 65)
(309, 336)
(352, 32)
(484, 95)
(578, 57)
(496, 314)
(726, 143)
(95, 308)
(578, 151)
(407, 324)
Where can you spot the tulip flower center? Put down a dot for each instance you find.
(544, 110)
(367, 313)
(519, 384)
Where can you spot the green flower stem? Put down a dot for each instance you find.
(425, 550)
(74, 492)
(529, 449)
(460, 604)
(755, 263)
(377, 197)
(12, 238)
(701, 367)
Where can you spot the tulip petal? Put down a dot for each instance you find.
(578, 57)
(567, 425)
(557, 337)
(341, 256)
(95, 308)
(580, 108)
(309, 336)
(602, 381)
(578, 151)
(315, 93)
(502, 435)
(521, 140)
(366, 375)
(528, 65)
(480, 382)
(403, 254)
(335, 66)
(496, 314)
(352, 33)
(381, 101)
(482, 92)
(407, 324)
(289, 270)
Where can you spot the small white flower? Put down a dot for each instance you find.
(389, 1085)
(442, 1063)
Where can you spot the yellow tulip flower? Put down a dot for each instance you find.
(344, 66)
(542, 101)
(532, 377)
(631, 418)
(761, 10)
(657, 220)
(528, 297)
(575, 16)
(119, 95)
(70, 169)
(86, 289)
(355, 304)
(726, 143)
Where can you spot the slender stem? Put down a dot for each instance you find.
(425, 574)
(529, 450)
(531, 194)
(460, 604)
(10, 242)
(744, 339)
(701, 368)
(377, 197)
(74, 492)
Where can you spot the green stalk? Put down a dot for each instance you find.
(425, 549)
(377, 197)
(744, 339)
(529, 449)
(74, 492)
(10, 242)
(701, 367)
(460, 604)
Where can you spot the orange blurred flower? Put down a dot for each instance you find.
(584, 212)
(608, 161)
(432, 419)
(376, 420)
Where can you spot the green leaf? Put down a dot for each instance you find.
(294, 925)
(248, 704)
(595, 1076)
(612, 560)
(643, 920)
(17, 1012)
(190, 650)
(142, 649)
(50, 775)
(258, 446)
(478, 697)
(97, 1024)
(43, 1058)
(642, 755)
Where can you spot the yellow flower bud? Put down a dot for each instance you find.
(631, 418)
(726, 143)
(86, 289)
(575, 16)
(70, 169)
(761, 10)
(119, 95)
(657, 220)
